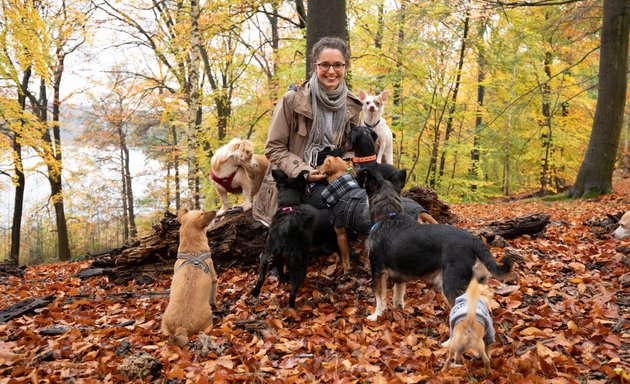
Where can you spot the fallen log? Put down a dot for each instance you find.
(509, 229)
(235, 239)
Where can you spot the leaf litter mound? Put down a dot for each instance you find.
(564, 319)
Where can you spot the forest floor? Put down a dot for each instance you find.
(565, 319)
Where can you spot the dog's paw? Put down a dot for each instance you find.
(373, 317)
(246, 206)
(221, 212)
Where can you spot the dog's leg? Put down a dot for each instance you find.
(399, 295)
(297, 273)
(485, 356)
(264, 265)
(344, 249)
(247, 186)
(380, 291)
(449, 357)
(225, 204)
(213, 283)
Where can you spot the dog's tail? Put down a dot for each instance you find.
(472, 296)
(181, 337)
(485, 256)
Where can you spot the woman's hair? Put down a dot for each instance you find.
(332, 43)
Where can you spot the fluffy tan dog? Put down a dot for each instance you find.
(475, 331)
(194, 284)
(235, 168)
(623, 230)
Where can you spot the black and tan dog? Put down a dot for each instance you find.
(290, 234)
(403, 250)
(348, 204)
(362, 141)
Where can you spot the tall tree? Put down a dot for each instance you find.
(595, 174)
(324, 18)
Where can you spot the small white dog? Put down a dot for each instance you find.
(373, 107)
(235, 168)
(623, 230)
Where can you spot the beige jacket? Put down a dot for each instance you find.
(286, 141)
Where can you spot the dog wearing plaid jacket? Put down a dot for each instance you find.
(348, 205)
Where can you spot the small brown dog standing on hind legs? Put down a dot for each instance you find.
(235, 168)
(342, 186)
(470, 322)
(194, 284)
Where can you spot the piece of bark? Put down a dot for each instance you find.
(24, 307)
(428, 198)
(509, 229)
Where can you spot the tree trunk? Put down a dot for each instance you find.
(595, 174)
(481, 91)
(546, 170)
(20, 182)
(451, 112)
(398, 89)
(131, 215)
(193, 106)
(380, 24)
(123, 183)
(324, 18)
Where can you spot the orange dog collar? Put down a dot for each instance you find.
(364, 159)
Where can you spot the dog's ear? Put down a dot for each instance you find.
(362, 95)
(398, 179)
(278, 175)
(373, 134)
(301, 180)
(384, 95)
(207, 217)
(181, 213)
(372, 182)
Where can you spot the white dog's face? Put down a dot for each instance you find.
(623, 230)
(373, 106)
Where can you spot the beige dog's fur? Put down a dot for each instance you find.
(623, 230)
(468, 333)
(334, 167)
(237, 158)
(192, 289)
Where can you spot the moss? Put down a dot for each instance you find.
(556, 197)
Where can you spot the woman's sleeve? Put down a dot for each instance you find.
(278, 136)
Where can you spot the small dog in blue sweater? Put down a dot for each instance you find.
(471, 324)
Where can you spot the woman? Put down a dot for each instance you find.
(310, 123)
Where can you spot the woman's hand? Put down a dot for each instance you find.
(314, 176)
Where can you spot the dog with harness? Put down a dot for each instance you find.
(194, 284)
(403, 250)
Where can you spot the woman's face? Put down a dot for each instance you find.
(328, 59)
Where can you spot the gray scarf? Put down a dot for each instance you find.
(324, 135)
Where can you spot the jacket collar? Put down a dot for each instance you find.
(302, 103)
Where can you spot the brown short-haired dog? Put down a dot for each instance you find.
(194, 284)
(334, 168)
(475, 331)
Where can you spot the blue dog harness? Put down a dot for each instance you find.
(197, 261)
(380, 220)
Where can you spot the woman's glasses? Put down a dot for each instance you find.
(326, 66)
